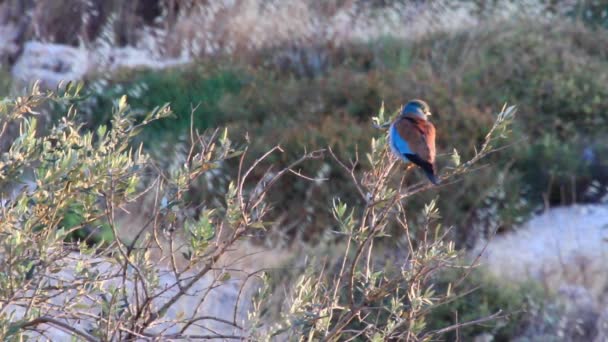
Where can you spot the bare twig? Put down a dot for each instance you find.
(494, 316)
(61, 325)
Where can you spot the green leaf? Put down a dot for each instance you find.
(14, 328)
(378, 337)
(224, 136)
(456, 158)
(225, 277)
(122, 103)
(101, 131)
(257, 225)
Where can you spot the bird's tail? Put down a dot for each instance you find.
(432, 177)
(428, 168)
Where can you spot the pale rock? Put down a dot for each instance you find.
(560, 247)
(50, 64)
(565, 250)
(54, 63)
(8, 44)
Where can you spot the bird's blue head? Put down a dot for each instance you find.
(417, 109)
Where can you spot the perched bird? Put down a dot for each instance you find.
(412, 137)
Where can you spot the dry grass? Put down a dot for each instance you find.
(198, 28)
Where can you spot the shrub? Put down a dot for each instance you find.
(117, 291)
(364, 294)
(76, 178)
(491, 295)
(201, 87)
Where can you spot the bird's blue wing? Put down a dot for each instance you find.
(399, 145)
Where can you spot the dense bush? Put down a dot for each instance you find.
(58, 182)
(201, 87)
(554, 70)
(76, 178)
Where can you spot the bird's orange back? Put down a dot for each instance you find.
(420, 135)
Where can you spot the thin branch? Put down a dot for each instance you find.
(61, 325)
(350, 171)
(496, 315)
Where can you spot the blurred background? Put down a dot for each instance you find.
(311, 74)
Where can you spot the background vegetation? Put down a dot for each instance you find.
(557, 83)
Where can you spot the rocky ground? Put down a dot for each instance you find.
(564, 249)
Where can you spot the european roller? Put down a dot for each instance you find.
(412, 137)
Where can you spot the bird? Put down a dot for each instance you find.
(412, 137)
